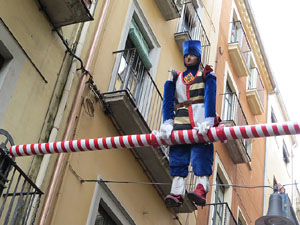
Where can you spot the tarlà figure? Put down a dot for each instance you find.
(189, 102)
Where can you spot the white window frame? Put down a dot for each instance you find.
(234, 15)
(229, 77)
(220, 170)
(11, 69)
(241, 217)
(103, 192)
(136, 12)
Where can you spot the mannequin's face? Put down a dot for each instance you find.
(190, 60)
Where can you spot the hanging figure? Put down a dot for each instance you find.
(189, 102)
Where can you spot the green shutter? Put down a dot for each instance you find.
(140, 44)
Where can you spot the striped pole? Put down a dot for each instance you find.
(214, 134)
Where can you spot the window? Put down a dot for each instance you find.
(219, 198)
(286, 157)
(241, 219)
(252, 79)
(228, 109)
(12, 60)
(232, 111)
(134, 64)
(248, 147)
(273, 116)
(103, 217)
(138, 51)
(105, 208)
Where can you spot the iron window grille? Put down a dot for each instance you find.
(238, 35)
(133, 77)
(255, 82)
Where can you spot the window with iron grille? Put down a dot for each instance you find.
(131, 71)
(228, 109)
(219, 198)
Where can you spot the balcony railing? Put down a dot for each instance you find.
(18, 193)
(221, 214)
(233, 115)
(133, 77)
(233, 110)
(190, 27)
(238, 36)
(256, 83)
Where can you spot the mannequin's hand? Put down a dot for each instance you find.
(166, 129)
(203, 127)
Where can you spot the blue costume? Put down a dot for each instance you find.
(189, 100)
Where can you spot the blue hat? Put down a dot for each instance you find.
(192, 47)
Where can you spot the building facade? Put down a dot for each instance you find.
(88, 69)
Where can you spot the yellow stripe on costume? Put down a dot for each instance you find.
(182, 120)
(196, 98)
(197, 86)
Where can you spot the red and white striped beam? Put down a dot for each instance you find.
(141, 140)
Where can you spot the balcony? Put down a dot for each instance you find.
(190, 27)
(17, 191)
(66, 12)
(233, 115)
(135, 107)
(239, 49)
(255, 92)
(168, 9)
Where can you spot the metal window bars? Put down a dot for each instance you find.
(18, 192)
(255, 82)
(191, 24)
(233, 110)
(238, 35)
(133, 77)
(233, 113)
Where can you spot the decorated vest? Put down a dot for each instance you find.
(189, 101)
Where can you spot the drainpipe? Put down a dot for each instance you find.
(61, 108)
(72, 118)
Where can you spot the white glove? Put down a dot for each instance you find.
(203, 127)
(166, 129)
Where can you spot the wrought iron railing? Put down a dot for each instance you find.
(221, 214)
(133, 77)
(190, 23)
(255, 82)
(238, 35)
(18, 193)
(233, 110)
(233, 113)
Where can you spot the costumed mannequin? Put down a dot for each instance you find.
(189, 102)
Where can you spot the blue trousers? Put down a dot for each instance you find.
(200, 155)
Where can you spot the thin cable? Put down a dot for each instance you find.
(242, 186)
(124, 182)
(156, 183)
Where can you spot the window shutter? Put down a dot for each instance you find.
(141, 45)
